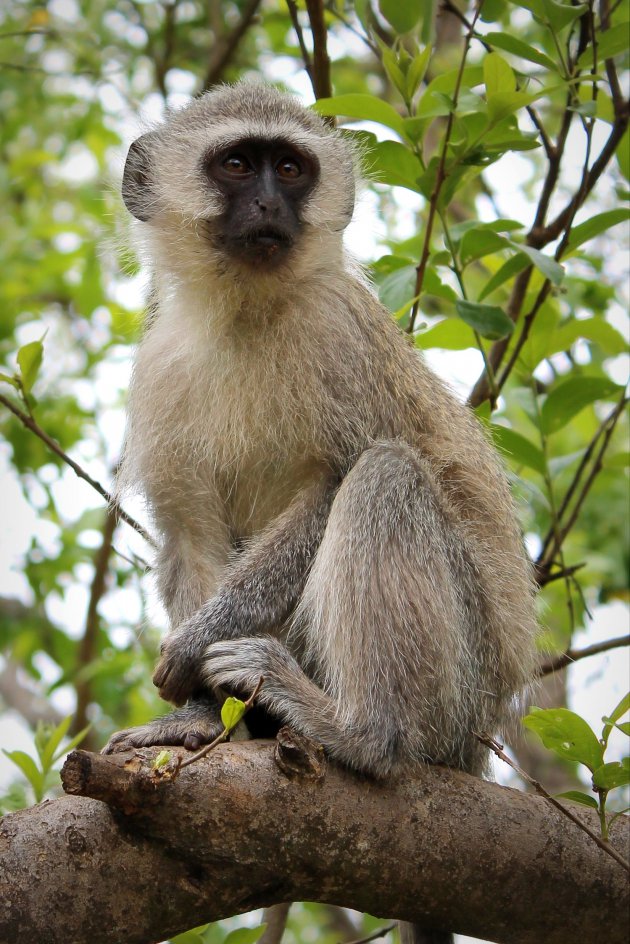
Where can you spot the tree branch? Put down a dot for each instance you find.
(322, 84)
(233, 833)
(569, 656)
(226, 53)
(88, 645)
(54, 446)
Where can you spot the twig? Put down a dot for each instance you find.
(320, 78)
(574, 655)
(225, 55)
(221, 737)
(576, 478)
(498, 750)
(543, 576)
(297, 26)
(87, 648)
(375, 935)
(440, 175)
(557, 540)
(54, 446)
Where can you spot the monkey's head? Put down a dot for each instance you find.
(244, 175)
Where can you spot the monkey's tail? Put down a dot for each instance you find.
(414, 934)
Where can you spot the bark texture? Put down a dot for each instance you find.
(235, 831)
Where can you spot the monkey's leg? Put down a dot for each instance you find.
(199, 722)
(258, 593)
(388, 621)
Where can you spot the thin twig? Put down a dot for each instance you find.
(440, 175)
(498, 750)
(375, 935)
(299, 32)
(574, 655)
(54, 446)
(221, 737)
(543, 576)
(584, 461)
(558, 540)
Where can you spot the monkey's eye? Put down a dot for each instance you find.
(288, 168)
(237, 165)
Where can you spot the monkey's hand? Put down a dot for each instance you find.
(177, 674)
(238, 664)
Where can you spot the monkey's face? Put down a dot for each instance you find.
(241, 180)
(264, 186)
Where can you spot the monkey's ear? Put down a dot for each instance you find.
(137, 190)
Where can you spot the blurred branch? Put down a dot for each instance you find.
(88, 645)
(569, 656)
(34, 427)
(32, 705)
(275, 917)
(227, 49)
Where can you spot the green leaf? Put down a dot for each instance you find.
(516, 46)
(596, 225)
(623, 154)
(502, 104)
(245, 935)
(161, 760)
(451, 334)
(611, 775)
(551, 269)
(396, 289)
(609, 44)
(361, 107)
(47, 741)
(571, 396)
(619, 711)
(417, 71)
(10, 380)
(392, 163)
(232, 711)
(497, 75)
(30, 770)
(29, 358)
(487, 320)
(557, 15)
(520, 449)
(577, 797)
(477, 243)
(507, 271)
(567, 734)
(403, 15)
(611, 341)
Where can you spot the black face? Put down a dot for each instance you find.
(265, 185)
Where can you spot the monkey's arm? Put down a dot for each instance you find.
(259, 592)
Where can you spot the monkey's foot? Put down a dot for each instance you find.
(190, 727)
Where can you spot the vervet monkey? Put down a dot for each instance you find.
(331, 516)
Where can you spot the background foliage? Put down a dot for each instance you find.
(497, 166)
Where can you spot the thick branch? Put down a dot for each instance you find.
(233, 832)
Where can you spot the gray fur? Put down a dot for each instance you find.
(332, 518)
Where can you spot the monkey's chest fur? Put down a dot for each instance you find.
(236, 419)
